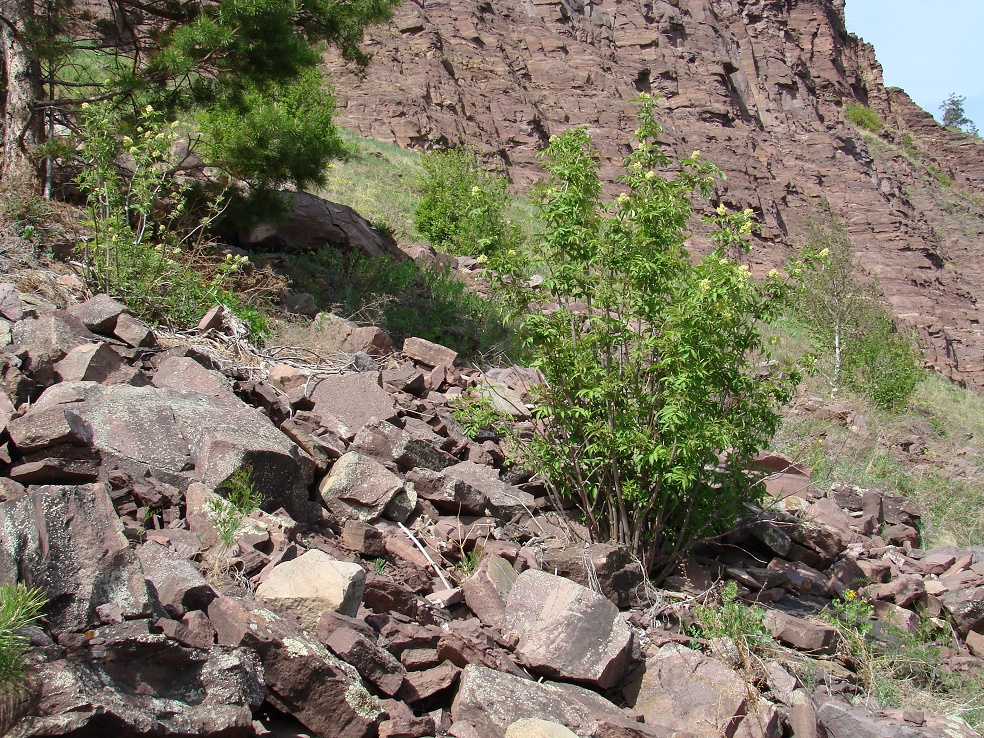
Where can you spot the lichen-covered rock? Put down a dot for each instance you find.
(69, 542)
(134, 682)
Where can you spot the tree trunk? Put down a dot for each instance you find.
(23, 125)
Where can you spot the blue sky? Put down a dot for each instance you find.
(929, 49)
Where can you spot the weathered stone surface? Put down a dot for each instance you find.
(567, 631)
(354, 399)
(184, 374)
(491, 701)
(536, 728)
(41, 428)
(686, 690)
(56, 333)
(312, 583)
(419, 686)
(802, 634)
(304, 678)
(362, 485)
(966, 608)
(448, 493)
(371, 661)
(841, 721)
(11, 306)
(176, 582)
(429, 353)
(183, 435)
(69, 542)
(504, 499)
(94, 362)
(132, 682)
(503, 399)
(99, 313)
(618, 578)
(487, 589)
(397, 449)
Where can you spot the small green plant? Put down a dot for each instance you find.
(462, 207)
(475, 413)
(863, 117)
(727, 617)
(241, 500)
(20, 607)
(380, 565)
(939, 175)
(469, 562)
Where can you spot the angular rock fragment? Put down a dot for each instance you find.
(491, 701)
(304, 678)
(361, 484)
(313, 583)
(131, 681)
(428, 353)
(371, 661)
(354, 399)
(566, 631)
(686, 690)
(99, 313)
(397, 449)
(487, 590)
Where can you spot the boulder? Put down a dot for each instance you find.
(175, 582)
(134, 332)
(372, 662)
(843, 721)
(11, 306)
(362, 485)
(180, 435)
(130, 681)
(69, 542)
(313, 222)
(566, 631)
(184, 374)
(397, 449)
(44, 427)
(304, 678)
(56, 333)
(492, 701)
(536, 728)
(448, 493)
(312, 583)
(687, 690)
(94, 362)
(611, 566)
(801, 634)
(354, 399)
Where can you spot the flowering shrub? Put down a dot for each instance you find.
(149, 238)
(657, 394)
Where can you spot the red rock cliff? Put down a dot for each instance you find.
(760, 87)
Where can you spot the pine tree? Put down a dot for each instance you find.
(248, 62)
(954, 115)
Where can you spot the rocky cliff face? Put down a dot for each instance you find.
(760, 87)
